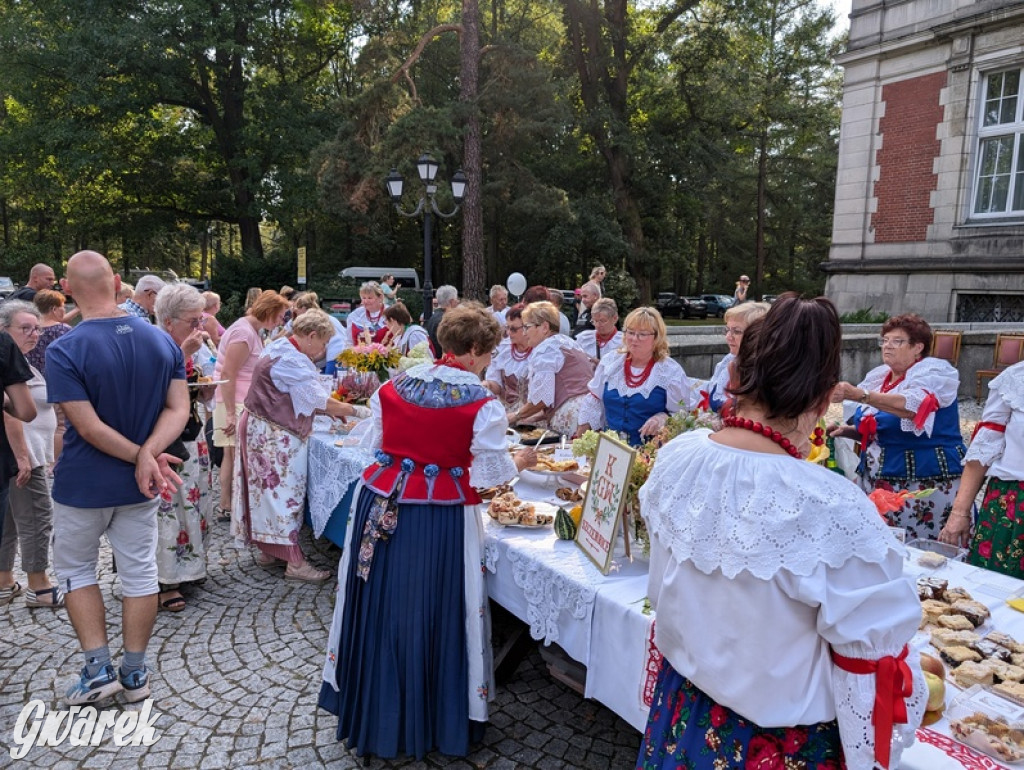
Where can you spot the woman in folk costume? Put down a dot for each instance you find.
(906, 415)
(408, 665)
(283, 397)
(800, 657)
(715, 394)
(506, 374)
(368, 319)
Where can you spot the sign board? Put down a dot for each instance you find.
(302, 265)
(605, 500)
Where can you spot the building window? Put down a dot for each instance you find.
(999, 188)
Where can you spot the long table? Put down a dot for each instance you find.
(600, 620)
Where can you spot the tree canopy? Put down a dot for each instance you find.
(681, 141)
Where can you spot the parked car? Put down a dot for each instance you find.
(7, 287)
(671, 305)
(717, 303)
(769, 298)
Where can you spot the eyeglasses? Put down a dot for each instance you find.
(887, 342)
(530, 326)
(636, 334)
(194, 323)
(733, 331)
(514, 329)
(28, 331)
(150, 292)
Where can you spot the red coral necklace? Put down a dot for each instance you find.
(765, 430)
(516, 356)
(636, 380)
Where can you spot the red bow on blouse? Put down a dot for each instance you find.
(867, 428)
(929, 405)
(990, 425)
(705, 401)
(893, 685)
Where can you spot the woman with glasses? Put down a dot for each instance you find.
(737, 319)
(507, 373)
(906, 416)
(557, 375)
(605, 337)
(636, 387)
(183, 517)
(29, 514)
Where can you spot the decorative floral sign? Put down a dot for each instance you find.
(606, 497)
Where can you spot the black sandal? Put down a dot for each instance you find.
(223, 515)
(174, 604)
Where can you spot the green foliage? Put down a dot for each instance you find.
(864, 316)
(620, 286)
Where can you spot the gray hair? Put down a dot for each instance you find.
(176, 300)
(212, 298)
(497, 290)
(316, 322)
(148, 282)
(446, 295)
(12, 307)
(605, 306)
(594, 287)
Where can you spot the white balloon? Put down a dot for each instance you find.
(516, 284)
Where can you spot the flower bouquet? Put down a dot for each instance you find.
(355, 387)
(369, 357)
(419, 354)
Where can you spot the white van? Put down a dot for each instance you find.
(406, 276)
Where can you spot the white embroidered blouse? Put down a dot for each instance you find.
(293, 373)
(545, 363)
(780, 560)
(927, 376)
(1002, 451)
(666, 374)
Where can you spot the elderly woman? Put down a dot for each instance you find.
(210, 323)
(368, 318)
(408, 666)
(737, 319)
(183, 517)
(403, 333)
(995, 458)
(741, 527)
(906, 416)
(557, 375)
(237, 354)
(29, 513)
(604, 337)
(506, 375)
(637, 386)
(282, 399)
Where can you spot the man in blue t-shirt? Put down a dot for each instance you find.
(121, 383)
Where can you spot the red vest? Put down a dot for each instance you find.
(424, 449)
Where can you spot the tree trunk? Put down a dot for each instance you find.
(762, 199)
(472, 207)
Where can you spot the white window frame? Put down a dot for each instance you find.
(1013, 128)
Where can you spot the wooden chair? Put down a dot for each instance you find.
(1009, 351)
(946, 345)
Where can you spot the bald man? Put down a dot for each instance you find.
(40, 277)
(121, 383)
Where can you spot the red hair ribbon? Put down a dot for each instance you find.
(893, 685)
(705, 400)
(929, 405)
(990, 425)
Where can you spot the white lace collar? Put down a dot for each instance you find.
(282, 348)
(724, 508)
(663, 374)
(430, 372)
(1010, 385)
(556, 342)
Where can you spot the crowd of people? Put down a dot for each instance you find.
(116, 426)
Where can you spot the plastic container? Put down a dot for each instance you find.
(950, 552)
(988, 723)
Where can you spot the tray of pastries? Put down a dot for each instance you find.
(988, 723)
(507, 509)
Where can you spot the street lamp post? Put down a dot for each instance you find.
(427, 168)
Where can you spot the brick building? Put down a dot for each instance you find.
(929, 213)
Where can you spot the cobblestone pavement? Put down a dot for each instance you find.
(237, 675)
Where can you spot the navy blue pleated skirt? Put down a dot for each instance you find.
(402, 661)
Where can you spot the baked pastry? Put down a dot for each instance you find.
(976, 612)
(1012, 690)
(969, 674)
(993, 737)
(991, 650)
(944, 637)
(545, 463)
(931, 588)
(956, 622)
(1017, 659)
(932, 610)
(931, 559)
(956, 593)
(1005, 640)
(957, 654)
(1005, 672)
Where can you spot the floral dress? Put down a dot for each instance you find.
(183, 517)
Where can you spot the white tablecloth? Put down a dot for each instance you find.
(332, 470)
